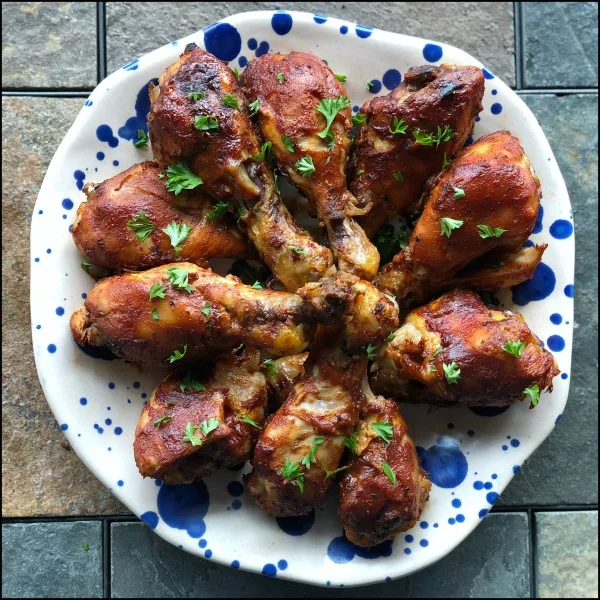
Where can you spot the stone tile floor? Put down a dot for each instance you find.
(77, 540)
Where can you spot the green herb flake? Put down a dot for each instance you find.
(218, 210)
(288, 143)
(179, 278)
(384, 430)
(265, 149)
(340, 77)
(297, 250)
(177, 355)
(533, 393)
(195, 96)
(271, 367)
(398, 176)
(85, 265)
(205, 122)
(435, 353)
(155, 315)
(329, 474)
(190, 383)
(162, 420)
(180, 177)
(360, 172)
(291, 472)
(514, 348)
(429, 139)
(310, 457)
(359, 119)
(446, 162)
(458, 193)
(280, 77)
(86, 547)
(371, 352)
(236, 73)
(141, 225)
(207, 426)
(447, 225)
(388, 472)
(485, 231)
(369, 85)
(350, 442)
(389, 243)
(207, 308)
(390, 337)
(189, 435)
(142, 139)
(399, 126)
(248, 420)
(231, 101)
(452, 372)
(254, 107)
(177, 233)
(329, 108)
(157, 291)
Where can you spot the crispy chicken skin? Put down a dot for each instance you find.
(214, 315)
(284, 373)
(428, 98)
(288, 109)
(103, 237)
(372, 508)
(235, 389)
(217, 155)
(459, 328)
(490, 183)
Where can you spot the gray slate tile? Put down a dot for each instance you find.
(560, 44)
(492, 562)
(49, 44)
(564, 470)
(49, 560)
(485, 29)
(567, 554)
(38, 479)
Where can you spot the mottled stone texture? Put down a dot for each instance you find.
(564, 470)
(560, 44)
(484, 29)
(49, 44)
(52, 560)
(567, 554)
(492, 563)
(41, 474)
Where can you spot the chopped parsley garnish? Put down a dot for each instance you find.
(399, 126)
(288, 143)
(384, 430)
(533, 393)
(218, 210)
(163, 419)
(389, 243)
(85, 265)
(359, 119)
(195, 96)
(435, 353)
(429, 139)
(452, 372)
(231, 101)
(447, 225)
(248, 420)
(142, 139)
(390, 337)
(291, 472)
(340, 77)
(157, 291)
(432, 368)
(179, 277)
(369, 85)
(305, 166)
(264, 151)
(236, 73)
(189, 383)
(485, 231)
(280, 77)
(270, 366)
(177, 355)
(178, 233)
(388, 472)
(458, 193)
(249, 274)
(207, 426)
(350, 442)
(180, 177)
(207, 308)
(398, 176)
(371, 351)
(155, 315)
(310, 457)
(514, 348)
(257, 285)
(329, 108)
(297, 250)
(189, 436)
(141, 225)
(86, 547)
(445, 162)
(254, 107)
(205, 122)
(329, 474)
(360, 172)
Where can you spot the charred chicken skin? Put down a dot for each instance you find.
(304, 112)
(184, 312)
(455, 351)
(234, 396)
(384, 488)
(408, 136)
(479, 211)
(122, 224)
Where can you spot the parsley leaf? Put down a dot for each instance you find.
(189, 436)
(399, 126)
(207, 426)
(369, 85)
(435, 353)
(155, 315)
(329, 108)
(86, 547)
(265, 149)
(257, 285)
(291, 472)
(350, 442)
(157, 291)
(280, 77)
(533, 393)
(485, 231)
(207, 309)
(179, 277)
(188, 382)
(390, 337)
(205, 122)
(270, 366)
(180, 177)
(384, 430)
(195, 96)
(389, 243)
(297, 250)
(445, 162)
(141, 225)
(514, 348)
(142, 139)
(231, 101)
(178, 355)
(398, 176)
(340, 77)
(236, 73)
(452, 372)
(218, 210)
(447, 225)
(310, 458)
(388, 472)
(163, 419)
(429, 139)
(85, 265)
(371, 351)
(359, 119)
(178, 233)
(305, 166)
(248, 420)
(458, 193)
(288, 143)
(254, 107)
(329, 474)
(360, 172)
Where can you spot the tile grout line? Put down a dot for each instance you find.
(533, 574)
(106, 582)
(101, 40)
(518, 24)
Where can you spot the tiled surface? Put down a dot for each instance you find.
(560, 44)
(48, 44)
(52, 560)
(491, 563)
(484, 29)
(567, 554)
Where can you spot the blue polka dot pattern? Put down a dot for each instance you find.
(51, 348)
(556, 343)
(223, 40)
(496, 108)
(282, 22)
(269, 569)
(364, 31)
(344, 29)
(432, 52)
(391, 79)
(375, 86)
(569, 290)
(555, 318)
(60, 311)
(252, 44)
(561, 229)
(67, 204)
(487, 74)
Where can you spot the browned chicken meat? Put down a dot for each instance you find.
(478, 211)
(455, 351)
(131, 222)
(408, 135)
(192, 426)
(283, 373)
(304, 112)
(384, 488)
(184, 312)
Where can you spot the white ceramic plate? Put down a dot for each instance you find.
(471, 457)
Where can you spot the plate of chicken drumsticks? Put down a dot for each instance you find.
(302, 294)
